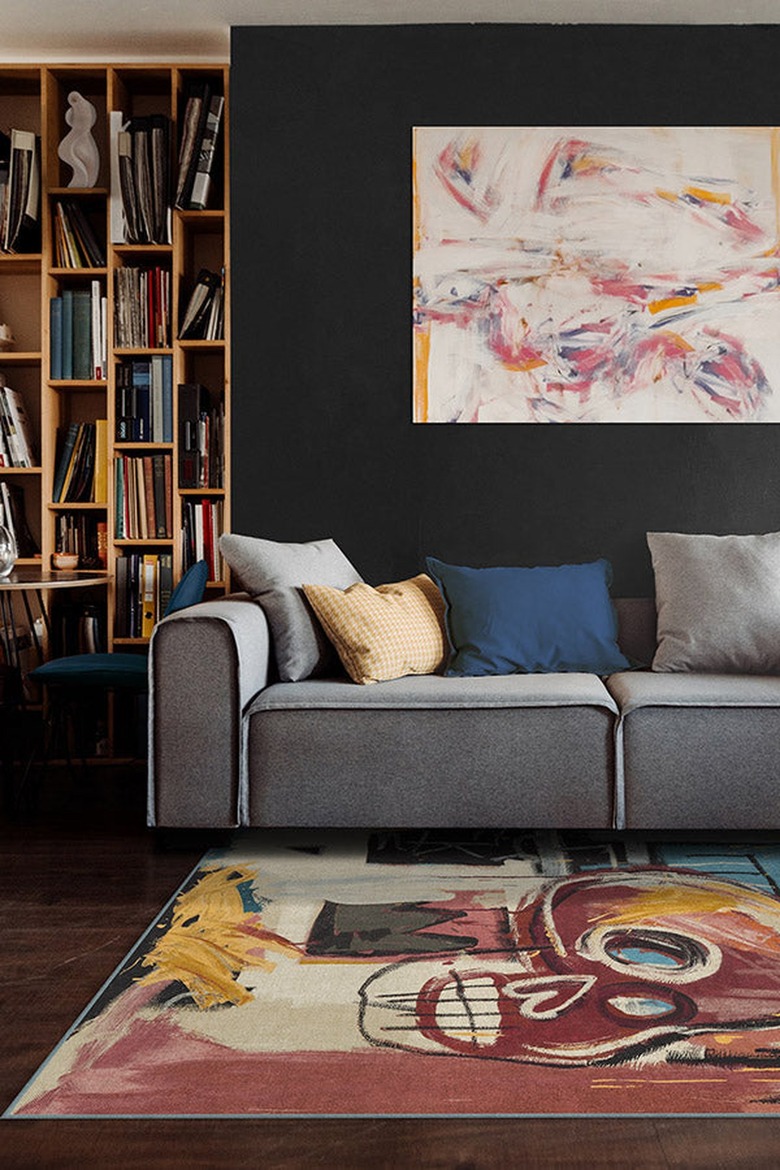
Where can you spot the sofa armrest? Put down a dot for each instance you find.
(205, 664)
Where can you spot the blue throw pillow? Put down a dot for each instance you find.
(529, 621)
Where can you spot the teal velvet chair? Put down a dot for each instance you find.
(72, 677)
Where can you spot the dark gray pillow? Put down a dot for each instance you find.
(273, 573)
(718, 602)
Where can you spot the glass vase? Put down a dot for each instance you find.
(8, 552)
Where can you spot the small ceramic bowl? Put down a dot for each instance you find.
(63, 560)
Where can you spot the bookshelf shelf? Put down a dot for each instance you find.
(122, 445)
(78, 273)
(15, 357)
(78, 192)
(212, 345)
(139, 97)
(143, 542)
(77, 506)
(76, 384)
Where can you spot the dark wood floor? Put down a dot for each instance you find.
(79, 883)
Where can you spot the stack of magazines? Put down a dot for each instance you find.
(198, 147)
(20, 192)
(203, 318)
(143, 164)
(17, 448)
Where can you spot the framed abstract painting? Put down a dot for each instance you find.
(596, 274)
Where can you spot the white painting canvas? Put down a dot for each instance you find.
(596, 274)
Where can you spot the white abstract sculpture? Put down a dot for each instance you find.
(78, 148)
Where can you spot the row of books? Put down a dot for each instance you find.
(202, 526)
(84, 534)
(17, 448)
(204, 315)
(144, 497)
(201, 438)
(76, 244)
(144, 583)
(142, 149)
(12, 515)
(144, 400)
(142, 309)
(81, 467)
(198, 147)
(20, 192)
(77, 334)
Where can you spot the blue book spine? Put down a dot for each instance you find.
(167, 399)
(142, 381)
(67, 333)
(55, 337)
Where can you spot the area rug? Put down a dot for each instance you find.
(425, 973)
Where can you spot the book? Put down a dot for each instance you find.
(55, 337)
(148, 594)
(196, 314)
(66, 439)
(120, 615)
(193, 122)
(165, 581)
(193, 399)
(158, 481)
(83, 369)
(67, 333)
(21, 219)
(20, 427)
(201, 184)
(5, 166)
(100, 479)
(127, 187)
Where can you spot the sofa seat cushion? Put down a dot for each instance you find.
(521, 750)
(635, 689)
(697, 749)
(427, 691)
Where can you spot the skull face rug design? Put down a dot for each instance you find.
(427, 974)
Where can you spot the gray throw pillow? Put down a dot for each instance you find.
(718, 602)
(273, 573)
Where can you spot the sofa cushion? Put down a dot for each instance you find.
(386, 632)
(273, 572)
(635, 689)
(530, 750)
(435, 691)
(544, 619)
(697, 750)
(718, 601)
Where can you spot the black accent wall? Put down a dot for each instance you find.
(323, 443)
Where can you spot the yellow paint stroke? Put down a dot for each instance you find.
(759, 920)
(678, 340)
(709, 286)
(708, 196)
(672, 303)
(212, 939)
(422, 353)
(524, 367)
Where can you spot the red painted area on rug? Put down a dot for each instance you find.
(157, 1070)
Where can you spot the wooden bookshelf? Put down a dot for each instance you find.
(35, 98)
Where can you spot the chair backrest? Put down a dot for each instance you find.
(190, 589)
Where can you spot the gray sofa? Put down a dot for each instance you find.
(228, 746)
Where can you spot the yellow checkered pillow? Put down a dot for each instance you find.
(385, 632)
